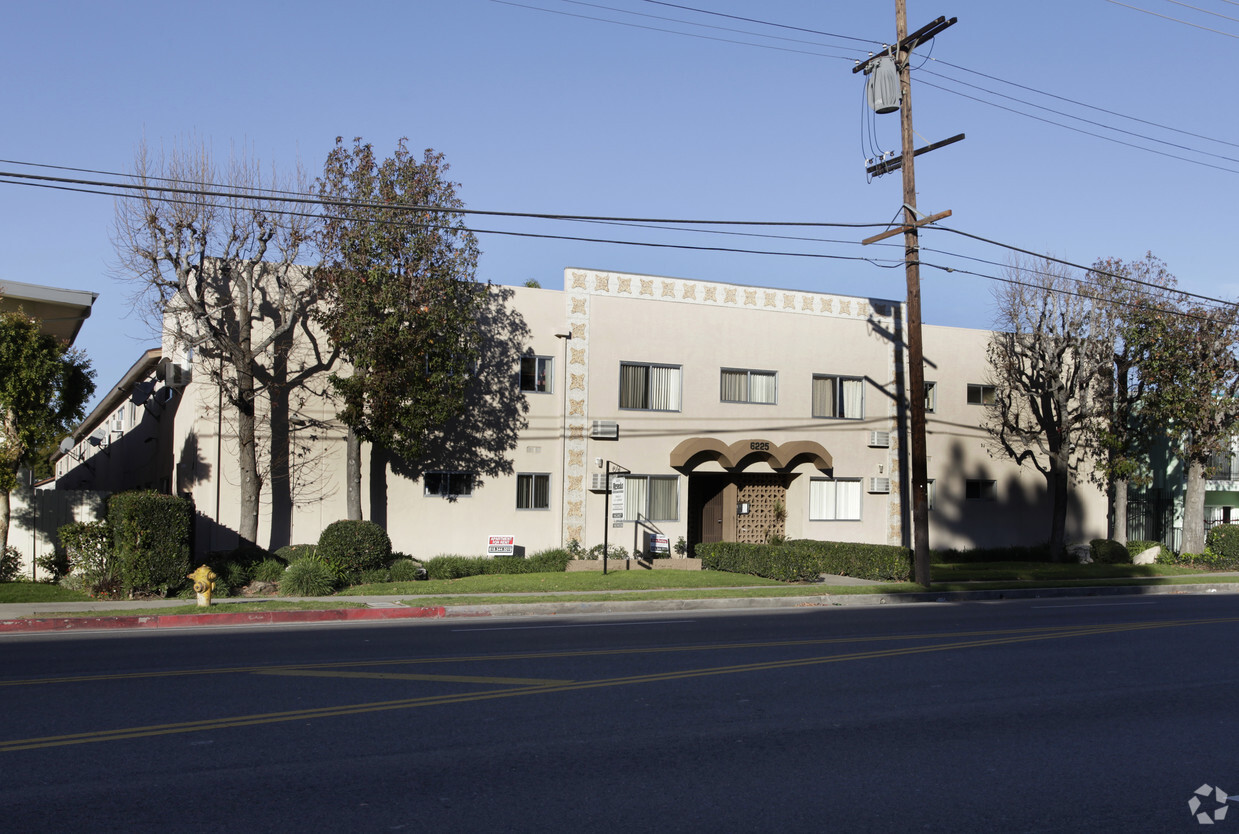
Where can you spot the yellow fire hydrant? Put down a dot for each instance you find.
(203, 584)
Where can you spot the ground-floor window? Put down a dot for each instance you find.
(448, 484)
(533, 492)
(834, 500)
(651, 498)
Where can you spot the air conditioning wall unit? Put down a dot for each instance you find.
(880, 486)
(879, 440)
(604, 430)
(598, 482)
(175, 374)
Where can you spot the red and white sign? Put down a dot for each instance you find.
(501, 546)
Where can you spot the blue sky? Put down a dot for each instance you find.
(544, 107)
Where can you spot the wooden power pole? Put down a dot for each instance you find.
(916, 360)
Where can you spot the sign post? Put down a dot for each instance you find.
(615, 509)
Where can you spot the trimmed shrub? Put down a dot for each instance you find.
(454, 567)
(1109, 552)
(804, 560)
(150, 540)
(307, 578)
(614, 551)
(268, 570)
(1223, 542)
(351, 547)
(55, 563)
(296, 552)
(378, 576)
(10, 564)
(404, 570)
(88, 547)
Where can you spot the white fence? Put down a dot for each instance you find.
(36, 515)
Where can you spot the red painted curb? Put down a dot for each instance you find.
(241, 618)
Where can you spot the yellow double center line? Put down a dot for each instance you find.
(520, 687)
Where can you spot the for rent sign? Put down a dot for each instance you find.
(501, 546)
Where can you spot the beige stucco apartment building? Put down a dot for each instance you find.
(731, 412)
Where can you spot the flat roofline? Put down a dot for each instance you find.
(52, 295)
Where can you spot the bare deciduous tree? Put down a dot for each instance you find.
(1047, 350)
(213, 253)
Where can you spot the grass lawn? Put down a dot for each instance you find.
(525, 583)
(38, 592)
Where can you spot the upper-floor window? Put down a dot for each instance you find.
(743, 386)
(838, 396)
(981, 394)
(651, 387)
(537, 373)
(448, 484)
(931, 396)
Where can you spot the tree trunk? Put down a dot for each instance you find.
(1119, 511)
(353, 475)
(1057, 480)
(4, 518)
(1194, 509)
(247, 461)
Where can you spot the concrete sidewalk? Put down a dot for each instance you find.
(21, 617)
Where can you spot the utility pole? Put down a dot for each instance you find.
(912, 267)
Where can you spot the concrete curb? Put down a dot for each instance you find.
(602, 606)
(221, 619)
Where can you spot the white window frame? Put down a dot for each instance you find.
(649, 395)
(837, 381)
(547, 377)
(531, 492)
(747, 397)
(977, 392)
(931, 396)
(642, 513)
(838, 510)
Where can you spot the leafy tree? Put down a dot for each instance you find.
(44, 386)
(1048, 348)
(1134, 296)
(402, 304)
(1192, 371)
(214, 259)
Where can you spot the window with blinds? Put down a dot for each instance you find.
(838, 396)
(651, 498)
(649, 387)
(743, 386)
(533, 492)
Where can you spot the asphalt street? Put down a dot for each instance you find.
(1078, 714)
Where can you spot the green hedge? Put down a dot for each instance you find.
(1223, 542)
(804, 560)
(88, 547)
(1135, 548)
(457, 567)
(150, 540)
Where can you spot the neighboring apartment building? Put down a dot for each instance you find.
(732, 412)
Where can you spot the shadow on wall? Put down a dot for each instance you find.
(1019, 515)
(492, 419)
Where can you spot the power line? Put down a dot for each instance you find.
(1174, 19)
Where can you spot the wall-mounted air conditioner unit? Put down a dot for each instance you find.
(880, 485)
(175, 374)
(598, 482)
(879, 440)
(604, 430)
